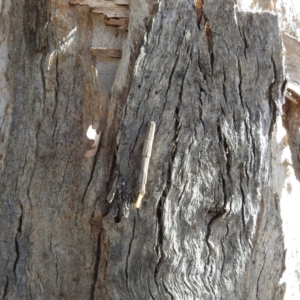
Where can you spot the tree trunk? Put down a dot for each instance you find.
(209, 224)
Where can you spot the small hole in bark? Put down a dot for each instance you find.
(118, 219)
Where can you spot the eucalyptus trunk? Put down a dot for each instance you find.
(208, 226)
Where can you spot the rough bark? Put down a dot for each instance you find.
(288, 10)
(285, 153)
(209, 225)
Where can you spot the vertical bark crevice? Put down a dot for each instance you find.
(272, 99)
(17, 246)
(159, 240)
(127, 270)
(91, 177)
(96, 266)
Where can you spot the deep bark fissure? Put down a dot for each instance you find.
(243, 203)
(129, 289)
(228, 159)
(160, 232)
(42, 62)
(17, 245)
(159, 237)
(96, 266)
(91, 174)
(222, 210)
(272, 103)
(5, 288)
(240, 83)
(243, 35)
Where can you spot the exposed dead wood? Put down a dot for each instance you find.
(120, 23)
(292, 64)
(108, 52)
(292, 57)
(111, 9)
(198, 8)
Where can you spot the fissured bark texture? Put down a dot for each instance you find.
(209, 224)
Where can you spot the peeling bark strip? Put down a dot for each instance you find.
(147, 149)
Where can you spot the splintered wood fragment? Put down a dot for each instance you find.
(108, 52)
(147, 149)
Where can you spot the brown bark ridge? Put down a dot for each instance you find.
(209, 224)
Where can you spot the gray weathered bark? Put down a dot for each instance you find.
(209, 225)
